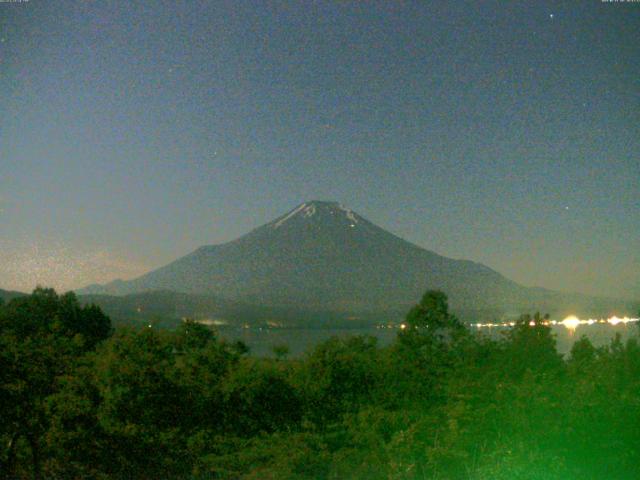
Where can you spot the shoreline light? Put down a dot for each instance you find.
(571, 322)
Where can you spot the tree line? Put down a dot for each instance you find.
(79, 399)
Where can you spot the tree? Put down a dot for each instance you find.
(260, 398)
(281, 351)
(338, 376)
(428, 345)
(144, 412)
(531, 345)
(202, 365)
(41, 337)
(582, 354)
(430, 319)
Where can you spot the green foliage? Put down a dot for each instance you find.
(281, 351)
(439, 403)
(42, 336)
(431, 318)
(338, 376)
(531, 346)
(260, 398)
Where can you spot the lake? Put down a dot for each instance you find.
(300, 340)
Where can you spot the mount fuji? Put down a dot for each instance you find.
(323, 256)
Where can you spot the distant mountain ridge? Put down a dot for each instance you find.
(7, 295)
(324, 256)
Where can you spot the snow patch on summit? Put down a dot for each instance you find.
(348, 213)
(310, 211)
(291, 214)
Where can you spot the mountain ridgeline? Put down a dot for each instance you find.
(324, 257)
(7, 295)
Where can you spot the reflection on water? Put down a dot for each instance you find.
(300, 340)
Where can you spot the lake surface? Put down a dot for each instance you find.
(300, 340)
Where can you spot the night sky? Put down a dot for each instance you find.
(507, 133)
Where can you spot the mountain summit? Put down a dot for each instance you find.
(320, 211)
(324, 256)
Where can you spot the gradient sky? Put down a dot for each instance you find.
(503, 132)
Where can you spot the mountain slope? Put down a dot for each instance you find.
(7, 295)
(321, 255)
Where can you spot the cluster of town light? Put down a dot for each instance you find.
(571, 322)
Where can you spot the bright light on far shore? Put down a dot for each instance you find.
(571, 322)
